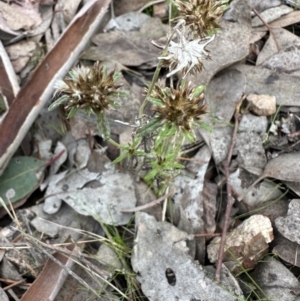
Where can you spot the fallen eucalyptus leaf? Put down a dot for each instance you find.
(127, 22)
(284, 39)
(260, 80)
(276, 281)
(188, 197)
(230, 46)
(165, 270)
(62, 183)
(284, 167)
(105, 203)
(289, 225)
(223, 93)
(256, 196)
(286, 250)
(263, 5)
(286, 60)
(271, 14)
(131, 48)
(21, 177)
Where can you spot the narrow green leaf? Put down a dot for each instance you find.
(205, 126)
(72, 112)
(120, 158)
(199, 90)
(58, 102)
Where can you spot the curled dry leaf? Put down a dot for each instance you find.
(45, 286)
(20, 17)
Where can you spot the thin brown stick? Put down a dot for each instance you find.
(293, 135)
(269, 28)
(230, 199)
(15, 283)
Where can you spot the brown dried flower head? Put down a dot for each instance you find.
(180, 107)
(90, 89)
(87, 88)
(201, 16)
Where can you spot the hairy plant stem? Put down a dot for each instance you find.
(113, 142)
(155, 77)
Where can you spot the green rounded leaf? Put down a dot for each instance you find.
(20, 178)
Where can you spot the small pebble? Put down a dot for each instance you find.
(262, 105)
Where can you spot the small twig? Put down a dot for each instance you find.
(269, 28)
(16, 283)
(293, 135)
(289, 149)
(51, 161)
(230, 200)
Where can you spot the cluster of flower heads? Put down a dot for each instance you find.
(95, 91)
(195, 27)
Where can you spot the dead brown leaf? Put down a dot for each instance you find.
(284, 21)
(20, 53)
(288, 225)
(229, 46)
(124, 6)
(286, 60)
(283, 37)
(286, 250)
(260, 80)
(131, 48)
(20, 17)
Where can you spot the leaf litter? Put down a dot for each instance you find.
(172, 255)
